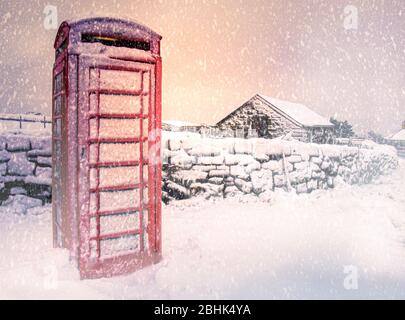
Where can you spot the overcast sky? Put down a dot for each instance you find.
(217, 54)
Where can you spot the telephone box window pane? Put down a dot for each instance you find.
(119, 222)
(93, 128)
(145, 236)
(115, 176)
(115, 200)
(57, 167)
(120, 104)
(93, 153)
(115, 152)
(57, 127)
(93, 103)
(94, 78)
(93, 249)
(57, 172)
(145, 128)
(55, 84)
(93, 227)
(93, 178)
(114, 128)
(146, 79)
(58, 84)
(145, 196)
(58, 105)
(145, 151)
(119, 199)
(146, 104)
(110, 247)
(145, 173)
(57, 212)
(120, 80)
(57, 150)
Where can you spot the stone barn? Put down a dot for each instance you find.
(272, 118)
(398, 141)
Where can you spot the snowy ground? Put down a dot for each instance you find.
(294, 247)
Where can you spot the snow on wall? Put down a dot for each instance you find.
(229, 167)
(25, 171)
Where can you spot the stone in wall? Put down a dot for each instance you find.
(238, 172)
(4, 156)
(3, 142)
(262, 180)
(18, 143)
(219, 173)
(3, 169)
(244, 186)
(232, 191)
(18, 165)
(206, 189)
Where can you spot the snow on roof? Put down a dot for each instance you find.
(101, 22)
(399, 135)
(299, 112)
(179, 123)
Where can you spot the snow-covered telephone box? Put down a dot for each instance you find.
(106, 145)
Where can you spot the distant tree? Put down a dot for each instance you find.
(342, 129)
(376, 137)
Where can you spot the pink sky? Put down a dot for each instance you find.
(217, 54)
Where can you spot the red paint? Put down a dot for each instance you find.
(77, 174)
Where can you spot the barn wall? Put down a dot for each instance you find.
(279, 125)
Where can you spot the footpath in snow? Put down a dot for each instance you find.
(296, 246)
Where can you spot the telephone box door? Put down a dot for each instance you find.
(119, 225)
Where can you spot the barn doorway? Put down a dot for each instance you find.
(261, 123)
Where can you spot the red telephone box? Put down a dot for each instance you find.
(106, 145)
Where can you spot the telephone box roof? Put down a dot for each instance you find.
(101, 25)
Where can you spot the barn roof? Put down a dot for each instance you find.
(399, 136)
(298, 112)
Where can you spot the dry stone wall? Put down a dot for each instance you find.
(229, 167)
(25, 171)
(193, 165)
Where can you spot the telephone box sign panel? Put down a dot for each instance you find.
(106, 140)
